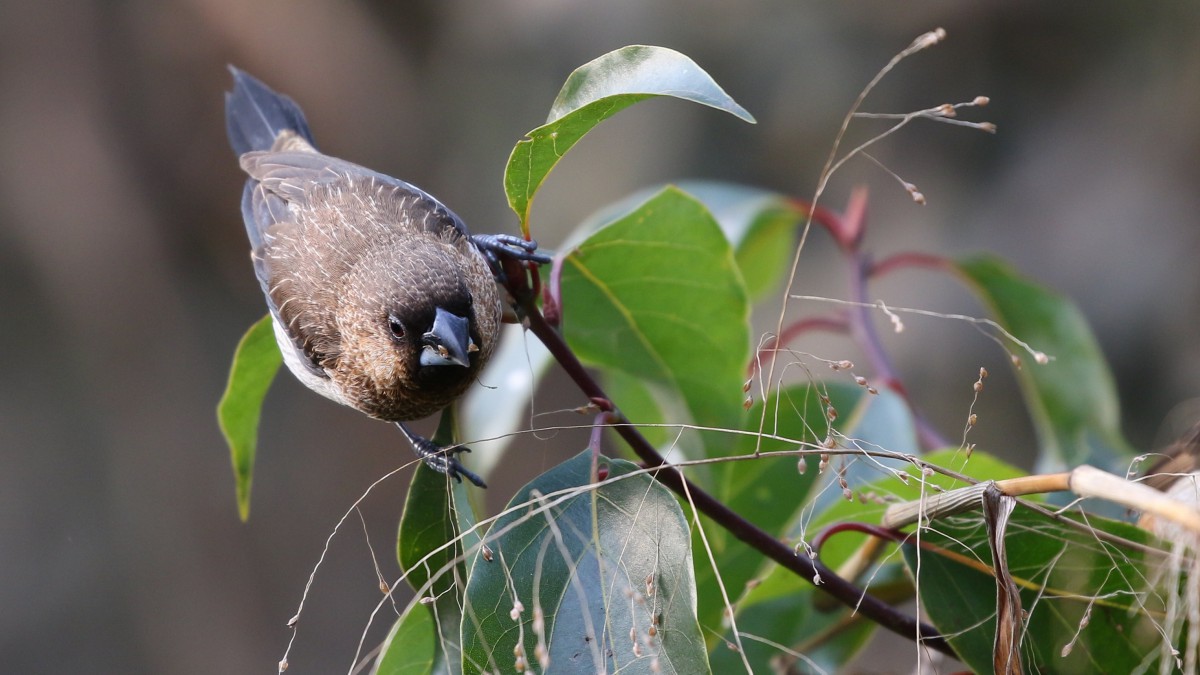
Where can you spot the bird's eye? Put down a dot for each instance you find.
(396, 327)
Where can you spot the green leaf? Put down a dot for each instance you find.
(657, 295)
(761, 225)
(410, 646)
(1064, 572)
(593, 93)
(431, 551)
(1072, 398)
(597, 562)
(254, 366)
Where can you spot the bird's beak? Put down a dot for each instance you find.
(448, 343)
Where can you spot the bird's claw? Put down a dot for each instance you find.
(441, 459)
(497, 246)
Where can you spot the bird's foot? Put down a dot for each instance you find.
(440, 459)
(497, 246)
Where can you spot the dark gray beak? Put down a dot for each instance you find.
(448, 343)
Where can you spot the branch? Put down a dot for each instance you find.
(811, 570)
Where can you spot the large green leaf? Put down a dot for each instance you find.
(762, 226)
(1065, 571)
(432, 552)
(657, 294)
(593, 93)
(599, 563)
(254, 366)
(1072, 397)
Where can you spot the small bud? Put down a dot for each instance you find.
(517, 608)
(539, 621)
(927, 472)
(860, 380)
(1016, 361)
(633, 634)
(983, 373)
(427, 600)
(383, 587)
(872, 391)
(650, 584)
(988, 127)
(637, 650)
(801, 466)
(831, 413)
(846, 365)
(970, 449)
(903, 476)
(486, 552)
(293, 621)
(947, 110)
(654, 665)
(283, 665)
(848, 494)
(972, 420)
(746, 386)
(519, 650)
(543, 658)
(978, 386)
(919, 198)
(520, 664)
(829, 443)
(748, 403)
(1041, 358)
(981, 101)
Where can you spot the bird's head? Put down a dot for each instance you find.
(414, 336)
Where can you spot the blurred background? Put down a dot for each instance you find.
(125, 281)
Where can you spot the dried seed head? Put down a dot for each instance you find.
(650, 584)
(801, 466)
(427, 600)
(293, 621)
(860, 380)
(978, 386)
(903, 476)
(972, 420)
(652, 631)
(383, 587)
(847, 494)
(1041, 358)
(981, 101)
(283, 665)
(872, 391)
(637, 650)
(831, 413)
(746, 385)
(919, 198)
(983, 373)
(748, 403)
(947, 110)
(486, 552)
(988, 127)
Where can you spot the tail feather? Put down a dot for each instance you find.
(255, 115)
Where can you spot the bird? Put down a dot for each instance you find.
(380, 298)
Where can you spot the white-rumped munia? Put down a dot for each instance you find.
(380, 298)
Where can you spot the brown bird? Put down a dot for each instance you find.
(380, 298)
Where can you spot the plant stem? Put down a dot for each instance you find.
(814, 571)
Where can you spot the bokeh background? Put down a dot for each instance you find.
(125, 281)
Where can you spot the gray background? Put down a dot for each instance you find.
(125, 281)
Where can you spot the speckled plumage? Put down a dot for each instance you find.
(343, 249)
(380, 297)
